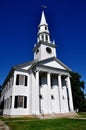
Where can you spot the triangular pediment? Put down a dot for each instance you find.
(55, 63)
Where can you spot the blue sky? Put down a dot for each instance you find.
(19, 20)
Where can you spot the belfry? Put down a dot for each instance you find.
(41, 86)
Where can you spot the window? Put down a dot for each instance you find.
(46, 38)
(54, 81)
(42, 37)
(10, 104)
(42, 79)
(45, 28)
(63, 82)
(20, 102)
(48, 49)
(21, 80)
(51, 82)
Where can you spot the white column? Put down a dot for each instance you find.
(60, 92)
(70, 94)
(37, 109)
(49, 93)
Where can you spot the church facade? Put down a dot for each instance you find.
(41, 86)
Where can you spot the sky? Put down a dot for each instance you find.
(19, 20)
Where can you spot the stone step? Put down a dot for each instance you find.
(59, 115)
(3, 126)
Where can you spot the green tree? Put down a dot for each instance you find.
(77, 90)
(0, 90)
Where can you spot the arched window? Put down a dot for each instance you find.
(45, 28)
(42, 37)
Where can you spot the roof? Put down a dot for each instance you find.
(34, 63)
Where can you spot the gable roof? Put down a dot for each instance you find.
(33, 63)
(42, 62)
(25, 64)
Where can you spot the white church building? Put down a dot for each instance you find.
(41, 86)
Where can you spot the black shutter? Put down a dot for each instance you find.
(25, 102)
(40, 80)
(17, 79)
(16, 99)
(25, 80)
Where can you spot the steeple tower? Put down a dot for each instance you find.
(44, 48)
(43, 32)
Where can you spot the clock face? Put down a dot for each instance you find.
(48, 49)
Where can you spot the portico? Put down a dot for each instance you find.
(54, 92)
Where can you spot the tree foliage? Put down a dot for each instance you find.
(0, 90)
(77, 90)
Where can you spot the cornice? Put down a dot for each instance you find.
(43, 43)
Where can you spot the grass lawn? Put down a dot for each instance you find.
(49, 124)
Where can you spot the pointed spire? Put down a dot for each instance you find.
(43, 19)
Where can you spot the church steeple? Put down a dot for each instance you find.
(44, 48)
(43, 32)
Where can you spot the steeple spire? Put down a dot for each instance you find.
(43, 19)
(43, 32)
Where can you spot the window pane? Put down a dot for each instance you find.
(21, 79)
(20, 101)
(20, 98)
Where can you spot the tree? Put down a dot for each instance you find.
(0, 90)
(77, 90)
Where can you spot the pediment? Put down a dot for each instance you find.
(55, 63)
